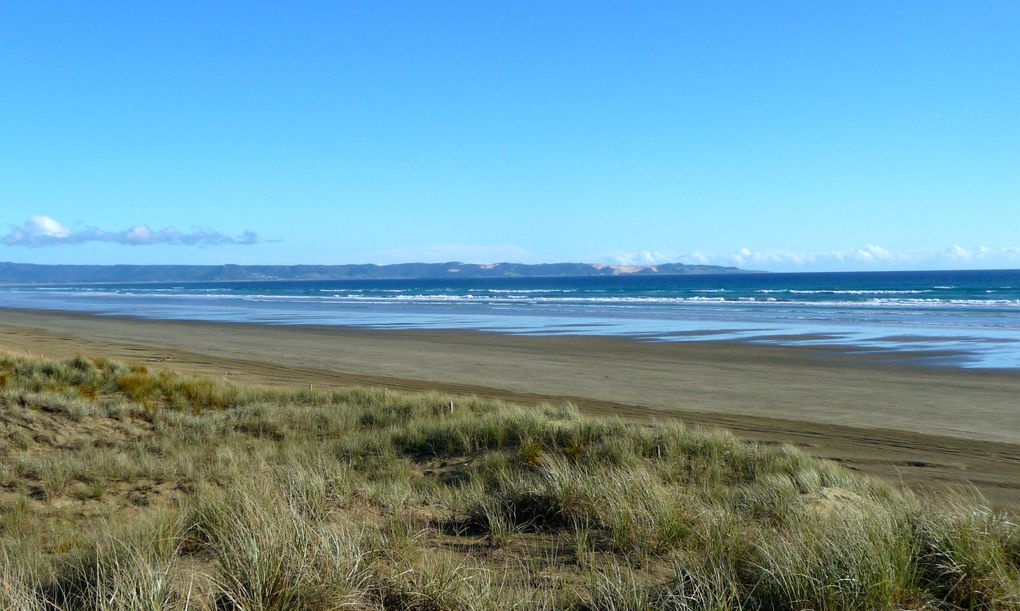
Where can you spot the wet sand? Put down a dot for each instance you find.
(920, 425)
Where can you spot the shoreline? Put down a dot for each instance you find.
(922, 425)
(914, 349)
(957, 339)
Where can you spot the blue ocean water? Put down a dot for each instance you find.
(956, 318)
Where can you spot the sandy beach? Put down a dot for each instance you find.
(919, 425)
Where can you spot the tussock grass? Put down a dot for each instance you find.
(125, 488)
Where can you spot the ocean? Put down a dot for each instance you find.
(941, 318)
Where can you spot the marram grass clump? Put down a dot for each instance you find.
(125, 488)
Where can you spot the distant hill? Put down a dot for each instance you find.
(31, 273)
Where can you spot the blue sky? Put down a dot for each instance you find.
(785, 136)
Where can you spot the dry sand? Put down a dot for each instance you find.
(911, 423)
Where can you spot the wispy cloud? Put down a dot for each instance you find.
(41, 231)
(440, 253)
(645, 257)
(869, 256)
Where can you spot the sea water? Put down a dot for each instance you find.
(954, 318)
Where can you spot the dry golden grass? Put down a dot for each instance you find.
(123, 488)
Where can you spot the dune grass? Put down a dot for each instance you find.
(124, 488)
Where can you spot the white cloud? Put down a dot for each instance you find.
(867, 254)
(867, 257)
(873, 253)
(40, 231)
(44, 226)
(442, 253)
(959, 253)
(644, 257)
(699, 258)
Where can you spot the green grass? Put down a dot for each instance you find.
(124, 488)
